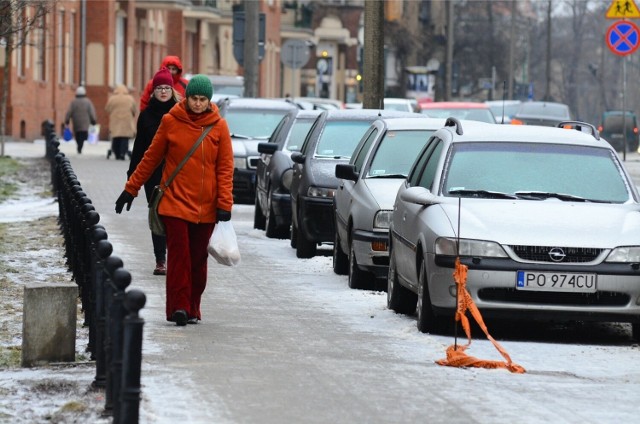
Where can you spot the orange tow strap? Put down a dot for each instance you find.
(456, 357)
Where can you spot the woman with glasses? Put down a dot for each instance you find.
(162, 100)
(198, 198)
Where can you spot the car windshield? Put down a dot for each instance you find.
(540, 170)
(340, 138)
(397, 151)
(298, 132)
(253, 123)
(483, 115)
(544, 109)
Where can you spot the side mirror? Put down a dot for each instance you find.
(419, 196)
(267, 148)
(298, 157)
(346, 171)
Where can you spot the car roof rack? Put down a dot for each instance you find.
(580, 126)
(454, 122)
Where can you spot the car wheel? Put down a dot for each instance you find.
(427, 321)
(272, 230)
(294, 235)
(305, 248)
(340, 259)
(258, 217)
(399, 298)
(358, 279)
(635, 331)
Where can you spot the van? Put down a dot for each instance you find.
(612, 129)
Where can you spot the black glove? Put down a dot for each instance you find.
(124, 199)
(223, 215)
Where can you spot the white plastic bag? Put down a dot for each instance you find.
(223, 244)
(94, 134)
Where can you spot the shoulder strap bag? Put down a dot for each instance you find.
(155, 223)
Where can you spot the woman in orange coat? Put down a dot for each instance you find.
(199, 196)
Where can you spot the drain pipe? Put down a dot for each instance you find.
(83, 41)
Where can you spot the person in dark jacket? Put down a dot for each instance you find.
(162, 100)
(82, 114)
(200, 195)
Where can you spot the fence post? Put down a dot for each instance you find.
(111, 264)
(121, 278)
(132, 357)
(102, 250)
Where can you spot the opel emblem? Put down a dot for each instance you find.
(557, 254)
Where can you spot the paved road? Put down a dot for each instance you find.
(273, 348)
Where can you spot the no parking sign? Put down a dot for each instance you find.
(623, 38)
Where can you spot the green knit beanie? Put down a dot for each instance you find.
(199, 85)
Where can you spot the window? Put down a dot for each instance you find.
(297, 134)
(41, 50)
(422, 159)
(120, 50)
(358, 159)
(429, 173)
(71, 50)
(340, 138)
(397, 152)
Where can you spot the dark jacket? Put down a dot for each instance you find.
(205, 182)
(147, 126)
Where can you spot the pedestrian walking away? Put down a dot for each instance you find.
(199, 196)
(163, 99)
(174, 65)
(81, 114)
(122, 110)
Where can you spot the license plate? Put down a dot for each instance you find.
(556, 281)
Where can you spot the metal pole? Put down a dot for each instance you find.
(132, 357)
(624, 108)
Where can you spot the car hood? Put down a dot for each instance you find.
(384, 190)
(323, 172)
(246, 147)
(549, 222)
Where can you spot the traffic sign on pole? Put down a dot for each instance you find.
(623, 38)
(623, 9)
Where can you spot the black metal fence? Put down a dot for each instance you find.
(110, 311)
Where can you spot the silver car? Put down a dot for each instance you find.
(546, 219)
(365, 195)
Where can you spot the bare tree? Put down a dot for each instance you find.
(17, 19)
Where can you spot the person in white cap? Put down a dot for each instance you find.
(82, 113)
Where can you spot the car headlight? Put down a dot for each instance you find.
(624, 254)
(476, 248)
(240, 163)
(320, 192)
(382, 219)
(286, 178)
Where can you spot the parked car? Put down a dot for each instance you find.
(274, 172)
(403, 105)
(364, 200)
(503, 110)
(250, 121)
(612, 129)
(319, 103)
(520, 207)
(548, 114)
(474, 111)
(331, 140)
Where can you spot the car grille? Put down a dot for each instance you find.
(602, 298)
(545, 254)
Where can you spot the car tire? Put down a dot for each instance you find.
(258, 216)
(272, 230)
(305, 248)
(635, 331)
(358, 278)
(399, 298)
(427, 321)
(340, 259)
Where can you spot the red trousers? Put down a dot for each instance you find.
(186, 265)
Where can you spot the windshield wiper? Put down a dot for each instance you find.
(541, 195)
(388, 176)
(332, 157)
(235, 135)
(485, 194)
